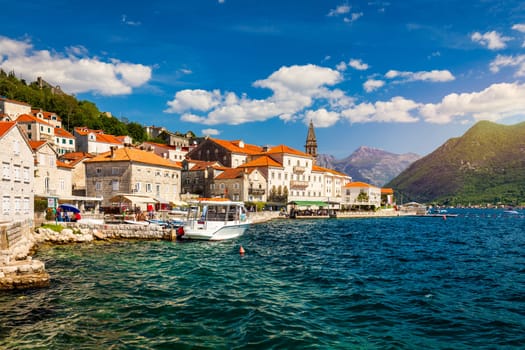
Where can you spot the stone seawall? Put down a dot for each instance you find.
(17, 268)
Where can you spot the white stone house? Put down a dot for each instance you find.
(361, 194)
(36, 129)
(52, 177)
(64, 141)
(11, 109)
(132, 171)
(16, 185)
(97, 142)
(240, 184)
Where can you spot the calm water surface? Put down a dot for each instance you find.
(393, 283)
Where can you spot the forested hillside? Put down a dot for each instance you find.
(72, 111)
(485, 165)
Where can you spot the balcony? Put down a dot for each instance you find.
(299, 169)
(256, 191)
(298, 184)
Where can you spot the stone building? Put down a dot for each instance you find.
(78, 172)
(96, 141)
(231, 154)
(52, 177)
(240, 184)
(132, 171)
(361, 194)
(198, 177)
(11, 109)
(311, 142)
(17, 202)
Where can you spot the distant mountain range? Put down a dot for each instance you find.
(485, 165)
(370, 165)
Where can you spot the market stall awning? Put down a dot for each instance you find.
(309, 203)
(133, 199)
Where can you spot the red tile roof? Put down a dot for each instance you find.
(134, 155)
(262, 161)
(74, 158)
(326, 170)
(288, 150)
(234, 173)
(26, 118)
(235, 146)
(64, 165)
(387, 191)
(5, 127)
(36, 144)
(63, 133)
(359, 184)
(47, 115)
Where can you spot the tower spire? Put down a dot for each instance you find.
(311, 142)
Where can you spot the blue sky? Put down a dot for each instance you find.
(403, 76)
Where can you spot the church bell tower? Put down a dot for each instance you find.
(311, 142)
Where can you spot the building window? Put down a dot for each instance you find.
(5, 205)
(236, 186)
(26, 174)
(98, 186)
(221, 186)
(98, 171)
(114, 171)
(17, 205)
(62, 185)
(148, 187)
(6, 171)
(137, 187)
(157, 190)
(16, 146)
(46, 185)
(115, 185)
(26, 205)
(16, 169)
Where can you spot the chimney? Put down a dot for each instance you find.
(112, 149)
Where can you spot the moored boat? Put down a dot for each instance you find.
(215, 219)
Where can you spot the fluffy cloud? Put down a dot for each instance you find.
(496, 102)
(433, 76)
(519, 27)
(210, 132)
(199, 100)
(373, 84)
(509, 61)
(322, 118)
(397, 110)
(294, 88)
(74, 71)
(492, 40)
(353, 17)
(358, 64)
(339, 10)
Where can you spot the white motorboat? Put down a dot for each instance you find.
(215, 219)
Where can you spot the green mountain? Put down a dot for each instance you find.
(485, 165)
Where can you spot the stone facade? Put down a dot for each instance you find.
(52, 178)
(10, 109)
(132, 171)
(17, 196)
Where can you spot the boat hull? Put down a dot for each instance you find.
(222, 232)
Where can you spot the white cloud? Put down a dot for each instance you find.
(373, 84)
(339, 10)
(294, 89)
(358, 64)
(397, 110)
(222, 1)
(353, 17)
(73, 71)
(519, 27)
(497, 102)
(341, 66)
(492, 40)
(433, 76)
(199, 100)
(210, 132)
(129, 22)
(509, 61)
(322, 118)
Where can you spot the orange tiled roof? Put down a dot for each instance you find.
(232, 174)
(105, 138)
(26, 118)
(133, 155)
(75, 157)
(234, 146)
(359, 184)
(5, 127)
(47, 115)
(36, 144)
(64, 165)
(263, 161)
(63, 133)
(285, 149)
(387, 191)
(201, 165)
(326, 170)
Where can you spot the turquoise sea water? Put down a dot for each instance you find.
(391, 283)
